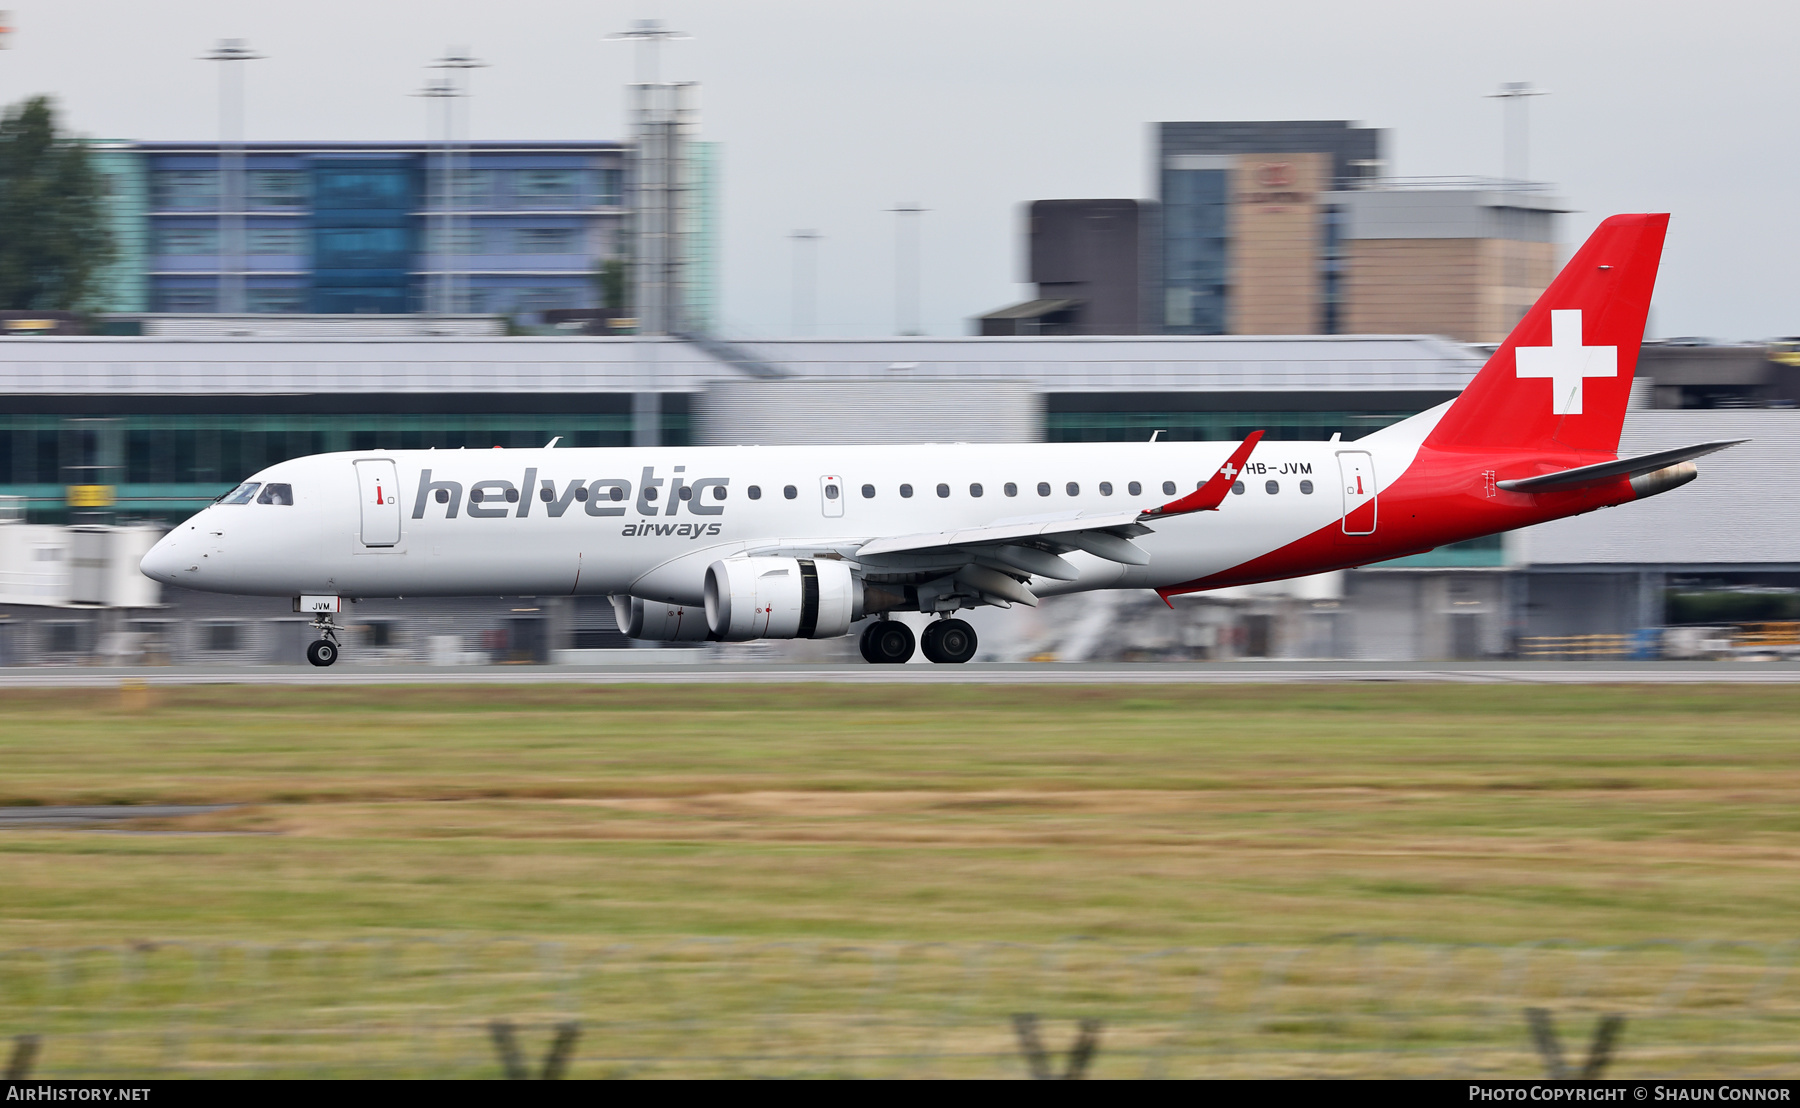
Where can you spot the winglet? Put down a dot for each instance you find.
(1208, 497)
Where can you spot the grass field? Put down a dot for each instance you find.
(1141, 816)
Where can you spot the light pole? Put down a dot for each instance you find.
(806, 274)
(907, 279)
(649, 34)
(437, 188)
(455, 60)
(229, 53)
(1516, 129)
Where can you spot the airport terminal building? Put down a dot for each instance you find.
(108, 440)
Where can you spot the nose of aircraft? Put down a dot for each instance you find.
(163, 560)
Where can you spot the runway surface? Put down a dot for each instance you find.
(1022, 673)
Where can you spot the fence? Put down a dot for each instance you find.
(441, 1006)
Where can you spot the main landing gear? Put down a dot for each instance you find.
(949, 641)
(887, 642)
(324, 650)
(890, 642)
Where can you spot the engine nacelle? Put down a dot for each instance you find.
(659, 622)
(779, 598)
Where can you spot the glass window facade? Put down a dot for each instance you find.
(545, 240)
(187, 240)
(1196, 241)
(542, 184)
(277, 240)
(359, 227)
(186, 188)
(276, 188)
(362, 234)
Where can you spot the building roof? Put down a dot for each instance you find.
(1030, 309)
(150, 366)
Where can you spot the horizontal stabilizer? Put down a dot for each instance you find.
(1604, 472)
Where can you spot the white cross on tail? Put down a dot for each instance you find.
(1566, 362)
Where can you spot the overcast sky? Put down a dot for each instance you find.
(831, 112)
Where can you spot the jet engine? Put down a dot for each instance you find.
(780, 598)
(659, 622)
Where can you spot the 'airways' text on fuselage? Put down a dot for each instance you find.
(604, 496)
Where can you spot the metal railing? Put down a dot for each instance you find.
(454, 1006)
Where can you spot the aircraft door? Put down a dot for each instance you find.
(1356, 469)
(379, 490)
(831, 495)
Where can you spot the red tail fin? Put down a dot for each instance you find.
(1562, 378)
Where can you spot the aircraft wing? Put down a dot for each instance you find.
(994, 560)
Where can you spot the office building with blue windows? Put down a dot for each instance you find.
(515, 228)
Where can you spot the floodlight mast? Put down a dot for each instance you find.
(230, 52)
(661, 185)
(455, 60)
(1516, 145)
(649, 34)
(908, 294)
(806, 272)
(438, 189)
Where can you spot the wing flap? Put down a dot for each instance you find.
(1001, 533)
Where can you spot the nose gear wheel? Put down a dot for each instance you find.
(324, 650)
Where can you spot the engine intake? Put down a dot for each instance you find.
(659, 622)
(779, 598)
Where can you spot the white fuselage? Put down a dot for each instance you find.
(334, 538)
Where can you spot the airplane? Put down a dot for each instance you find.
(752, 542)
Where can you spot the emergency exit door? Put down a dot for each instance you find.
(379, 489)
(1356, 473)
(831, 495)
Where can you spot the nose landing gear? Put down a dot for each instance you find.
(325, 649)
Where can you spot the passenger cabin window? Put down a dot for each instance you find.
(1135, 488)
(868, 492)
(943, 490)
(789, 491)
(277, 493)
(1011, 489)
(831, 492)
(1306, 488)
(1043, 488)
(755, 492)
(1106, 488)
(443, 496)
(718, 492)
(1168, 488)
(1237, 488)
(241, 494)
(1272, 487)
(687, 492)
(975, 489)
(1074, 489)
(906, 492)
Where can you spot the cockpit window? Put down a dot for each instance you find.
(241, 494)
(276, 492)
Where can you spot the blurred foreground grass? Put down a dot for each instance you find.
(1142, 815)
